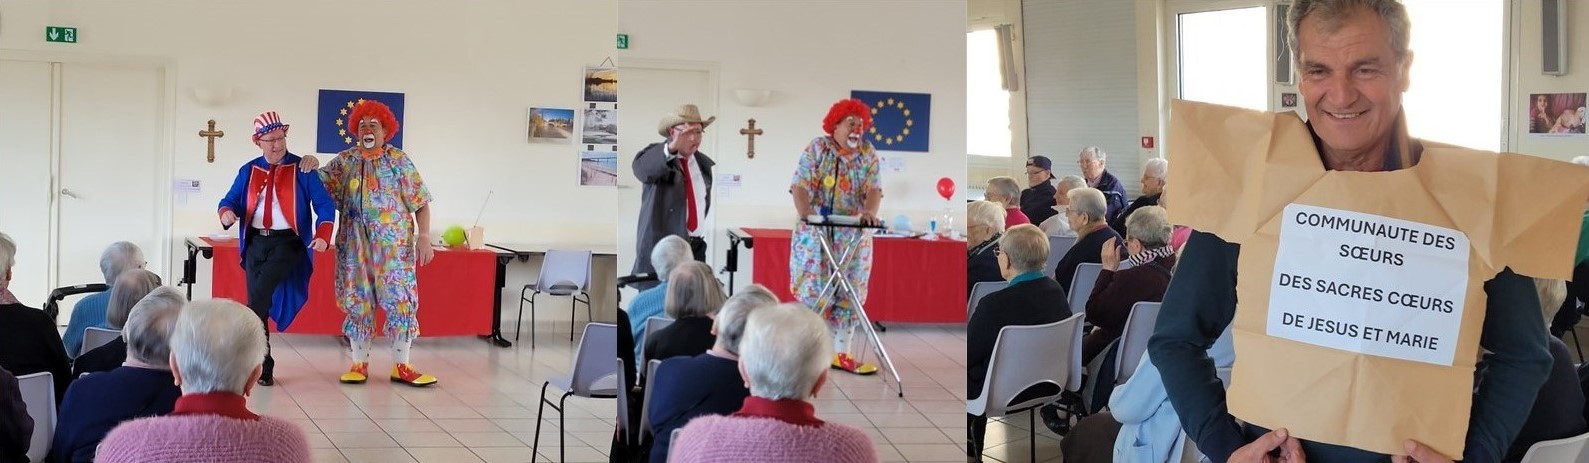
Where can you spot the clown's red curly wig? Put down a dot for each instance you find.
(846, 108)
(378, 110)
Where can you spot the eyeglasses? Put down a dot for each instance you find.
(1035, 172)
(272, 141)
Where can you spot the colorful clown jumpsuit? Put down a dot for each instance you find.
(853, 176)
(376, 199)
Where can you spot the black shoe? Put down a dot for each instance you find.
(263, 381)
(1052, 419)
(267, 376)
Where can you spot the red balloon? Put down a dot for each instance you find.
(946, 187)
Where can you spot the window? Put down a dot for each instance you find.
(1457, 91)
(1222, 57)
(987, 102)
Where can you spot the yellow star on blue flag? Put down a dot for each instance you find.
(333, 131)
(900, 121)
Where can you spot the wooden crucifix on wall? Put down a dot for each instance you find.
(211, 134)
(751, 132)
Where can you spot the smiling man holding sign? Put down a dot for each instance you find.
(1368, 268)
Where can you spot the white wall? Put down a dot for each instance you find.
(469, 69)
(794, 49)
(1527, 38)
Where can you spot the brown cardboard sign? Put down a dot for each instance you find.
(1360, 294)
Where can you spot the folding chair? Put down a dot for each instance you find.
(1081, 285)
(95, 336)
(1134, 342)
(38, 392)
(646, 430)
(1057, 247)
(1559, 450)
(980, 290)
(1025, 356)
(563, 273)
(592, 377)
(653, 325)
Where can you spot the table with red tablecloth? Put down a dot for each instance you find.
(460, 291)
(913, 280)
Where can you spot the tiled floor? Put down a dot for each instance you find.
(484, 408)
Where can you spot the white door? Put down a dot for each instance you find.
(109, 188)
(648, 94)
(25, 109)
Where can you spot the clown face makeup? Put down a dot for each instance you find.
(371, 134)
(848, 132)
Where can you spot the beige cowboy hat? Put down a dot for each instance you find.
(685, 114)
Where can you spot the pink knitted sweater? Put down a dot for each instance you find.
(204, 438)
(735, 439)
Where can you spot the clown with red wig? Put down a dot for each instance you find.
(384, 234)
(838, 175)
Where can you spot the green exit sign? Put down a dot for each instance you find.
(623, 41)
(60, 34)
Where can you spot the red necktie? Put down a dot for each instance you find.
(689, 191)
(270, 195)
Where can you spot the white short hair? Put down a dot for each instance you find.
(985, 213)
(1150, 225)
(1026, 248)
(216, 346)
(1158, 168)
(786, 349)
(736, 310)
(1093, 153)
(8, 257)
(1005, 187)
(150, 323)
(129, 288)
(1070, 182)
(668, 253)
(1088, 201)
(119, 257)
(693, 292)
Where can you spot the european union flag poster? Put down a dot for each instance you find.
(335, 132)
(900, 121)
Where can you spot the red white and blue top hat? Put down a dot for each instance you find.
(267, 122)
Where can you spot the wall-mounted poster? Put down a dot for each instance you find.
(601, 85)
(1557, 114)
(598, 168)
(551, 125)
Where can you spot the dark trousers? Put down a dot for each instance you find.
(698, 247)
(269, 260)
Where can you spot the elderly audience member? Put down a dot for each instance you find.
(1358, 125)
(694, 296)
(784, 359)
(117, 259)
(1037, 200)
(1117, 291)
(28, 343)
(984, 227)
(217, 354)
(16, 425)
(1059, 224)
(1030, 299)
(1086, 216)
(1006, 193)
(1093, 162)
(141, 387)
(130, 288)
(706, 384)
(666, 255)
(1153, 176)
(1558, 410)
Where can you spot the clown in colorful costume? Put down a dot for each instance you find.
(838, 171)
(383, 202)
(283, 211)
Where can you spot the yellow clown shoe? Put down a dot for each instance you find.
(404, 373)
(843, 361)
(357, 374)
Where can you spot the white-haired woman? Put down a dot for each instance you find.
(784, 359)
(217, 352)
(984, 227)
(706, 384)
(140, 386)
(1007, 194)
(28, 343)
(1154, 174)
(132, 283)
(1148, 250)
(1086, 214)
(91, 310)
(694, 297)
(666, 255)
(1059, 225)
